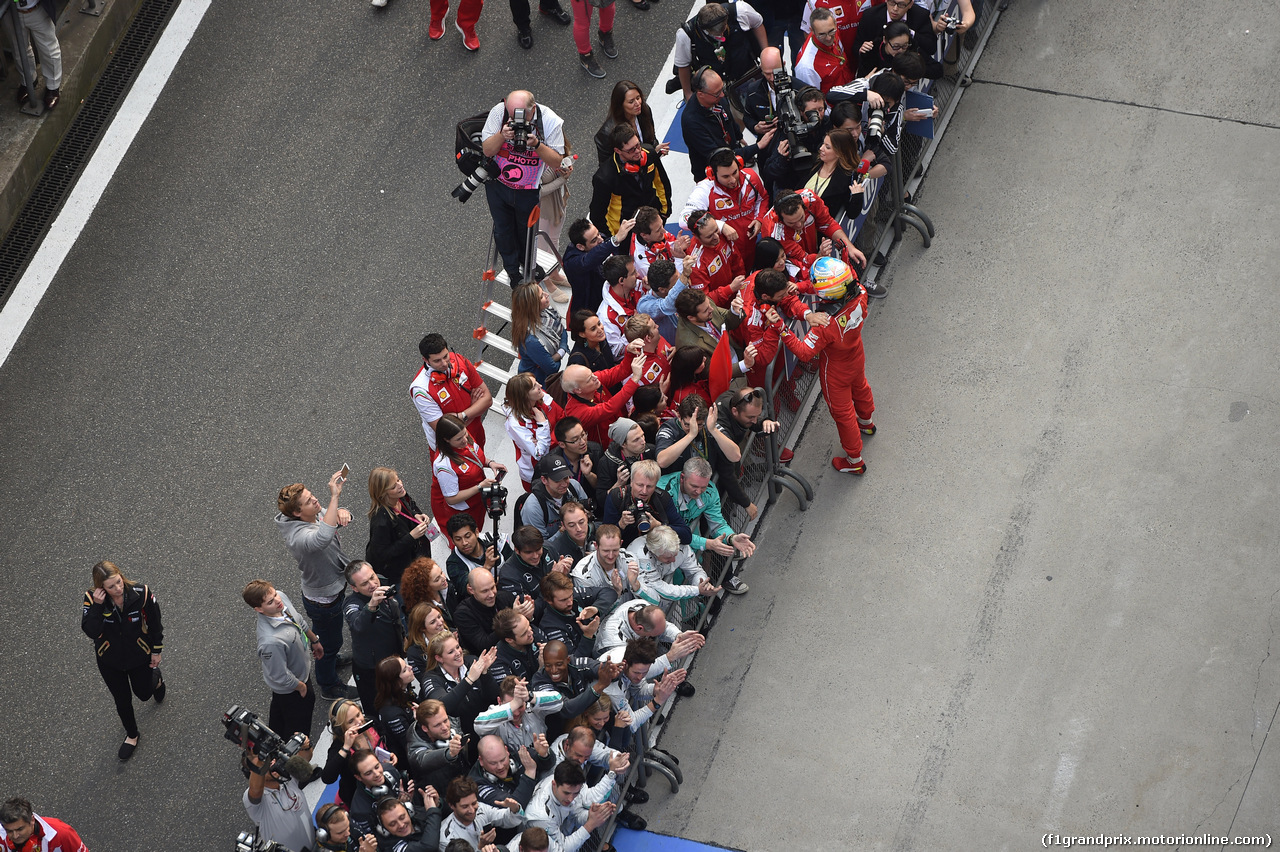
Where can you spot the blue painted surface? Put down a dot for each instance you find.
(675, 136)
(626, 840)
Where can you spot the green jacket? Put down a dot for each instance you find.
(708, 506)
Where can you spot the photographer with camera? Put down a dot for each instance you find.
(822, 62)
(523, 138)
(377, 630)
(924, 38)
(460, 470)
(287, 649)
(790, 162)
(275, 801)
(470, 550)
(643, 506)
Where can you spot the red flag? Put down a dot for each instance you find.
(720, 373)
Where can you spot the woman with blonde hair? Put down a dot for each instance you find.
(399, 531)
(531, 420)
(123, 620)
(456, 679)
(345, 722)
(538, 331)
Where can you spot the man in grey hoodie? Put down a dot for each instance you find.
(311, 534)
(286, 648)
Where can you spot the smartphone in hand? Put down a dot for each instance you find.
(345, 472)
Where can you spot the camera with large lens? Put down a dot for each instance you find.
(245, 729)
(495, 500)
(248, 841)
(469, 156)
(875, 124)
(521, 128)
(637, 508)
(793, 122)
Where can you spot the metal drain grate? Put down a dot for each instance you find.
(80, 141)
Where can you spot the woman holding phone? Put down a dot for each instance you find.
(123, 620)
(399, 532)
(460, 472)
(351, 732)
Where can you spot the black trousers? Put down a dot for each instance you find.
(123, 686)
(510, 209)
(367, 687)
(520, 12)
(291, 713)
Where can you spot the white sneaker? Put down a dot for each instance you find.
(378, 4)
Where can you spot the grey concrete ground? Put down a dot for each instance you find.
(1050, 606)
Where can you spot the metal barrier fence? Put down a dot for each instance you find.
(791, 388)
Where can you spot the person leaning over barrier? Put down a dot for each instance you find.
(589, 400)
(568, 811)
(696, 498)
(661, 556)
(643, 620)
(740, 413)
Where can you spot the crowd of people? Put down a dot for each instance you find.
(500, 698)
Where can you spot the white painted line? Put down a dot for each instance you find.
(97, 174)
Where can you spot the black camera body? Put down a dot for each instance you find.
(495, 500)
(953, 24)
(521, 127)
(794, 122)
(245, 729)
(637, 508)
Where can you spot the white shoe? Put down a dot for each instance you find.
(378, 4)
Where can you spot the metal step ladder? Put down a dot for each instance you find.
(495, 318)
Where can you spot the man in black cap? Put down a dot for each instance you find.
(555, 484)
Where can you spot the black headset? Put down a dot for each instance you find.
(377, 817)
(334, 727)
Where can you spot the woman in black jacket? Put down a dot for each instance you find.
(123, 620)
(627, 105)
(399, 532)
(832, 175)
(456, 679)
(397, 698)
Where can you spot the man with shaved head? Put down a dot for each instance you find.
(500, 774)
(474, 615)
(523, 138)
(588, 397)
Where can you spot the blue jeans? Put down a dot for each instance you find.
(326, 621)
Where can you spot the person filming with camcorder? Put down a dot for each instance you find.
(277, 769)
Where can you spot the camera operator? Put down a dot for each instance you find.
(377, 630)
(523, 138)
(707, 125)
(822, 62)
(882, 93)
(789, 164)
(276, 803)
(287, 649)
(644, 506)
(724, 36)
(333, 832)
(409, 829)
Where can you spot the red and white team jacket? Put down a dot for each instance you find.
(437, 394)
(656, 364)
(821, 66)
(613, 316)
(755, 329)
(735, 207)
(713, 269)
(643, 255)
(847, 12)
(801, 245)
(51, 835)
